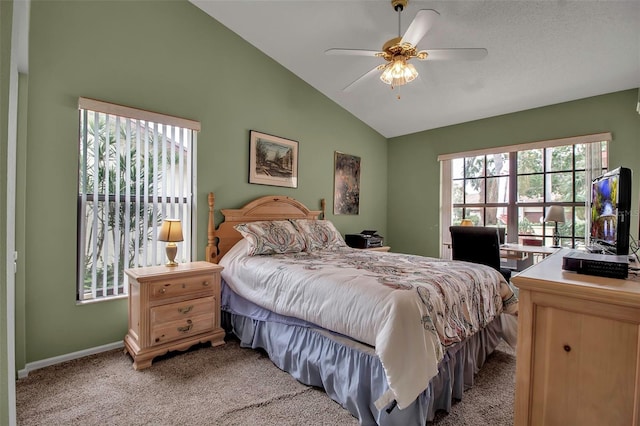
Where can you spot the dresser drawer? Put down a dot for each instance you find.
(179, 329)
(182, 310)
(199, 285)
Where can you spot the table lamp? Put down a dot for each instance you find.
(171, 232)
(555, 214)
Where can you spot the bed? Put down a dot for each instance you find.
(391, 337)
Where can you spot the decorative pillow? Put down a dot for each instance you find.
(271, 237)
(319, 234)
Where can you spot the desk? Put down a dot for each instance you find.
(523, 254)
(519, 256)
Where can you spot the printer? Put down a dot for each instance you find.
(363, 240)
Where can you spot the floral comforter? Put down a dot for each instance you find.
(408, 307)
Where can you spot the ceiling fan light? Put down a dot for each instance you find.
(386, 75)
(398, 73)
(410, 73)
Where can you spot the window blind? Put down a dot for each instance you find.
(136, 169)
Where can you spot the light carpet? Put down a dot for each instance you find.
(226, 385)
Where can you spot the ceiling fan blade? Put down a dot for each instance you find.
(420, 25)
(353, 52)
(470, 54)
(362, 78)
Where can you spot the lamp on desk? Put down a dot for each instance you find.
(555, 214)
(171, 232)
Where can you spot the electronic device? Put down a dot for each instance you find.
(365, 239)
(611, 212)
(603, 265)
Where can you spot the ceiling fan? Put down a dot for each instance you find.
(398, 51)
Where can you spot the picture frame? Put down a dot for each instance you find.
(273, 160)
(346, 184)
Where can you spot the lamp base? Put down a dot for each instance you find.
(556, 237)
(172, 250)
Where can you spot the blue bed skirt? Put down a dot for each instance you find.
(349, 371)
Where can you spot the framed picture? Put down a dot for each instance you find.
(346, 184)
(273, 160)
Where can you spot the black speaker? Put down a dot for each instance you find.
(602, 265)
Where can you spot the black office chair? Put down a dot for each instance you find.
(478, 244)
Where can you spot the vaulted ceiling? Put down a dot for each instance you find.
(539, 53)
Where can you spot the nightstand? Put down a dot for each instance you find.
(172, 308)
(383, 248)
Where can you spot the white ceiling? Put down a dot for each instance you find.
(540, 53)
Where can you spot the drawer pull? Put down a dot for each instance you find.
(185, 310)
(567, 348)
(163, 290)
(186, 328)
(206, 283)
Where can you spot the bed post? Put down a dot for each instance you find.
(322, 206)
(211, 250)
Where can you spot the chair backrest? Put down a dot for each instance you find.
(477, 244)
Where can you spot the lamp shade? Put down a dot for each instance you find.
(171, 231)
(466, 222)
(555, 214)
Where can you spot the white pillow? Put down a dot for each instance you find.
(319, 234)
(271, 237)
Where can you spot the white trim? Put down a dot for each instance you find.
(32, 366)
(445, 208)
(136, 113)
(194, 197)
(17, 63)
(574, 140)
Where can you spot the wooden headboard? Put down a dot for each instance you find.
(271, 207)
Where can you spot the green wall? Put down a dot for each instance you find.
(6, 12)
(172, 58)
(414, 171)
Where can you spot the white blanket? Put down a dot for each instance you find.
(407, 307)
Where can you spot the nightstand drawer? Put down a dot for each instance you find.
(174, 330)
(181, 287)
(182, 310)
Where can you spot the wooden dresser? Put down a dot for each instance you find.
(578, 356)
(172, 308)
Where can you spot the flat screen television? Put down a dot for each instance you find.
(611, 212)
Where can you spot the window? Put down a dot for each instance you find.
(480, 189)
(136, 169)
(514, 186)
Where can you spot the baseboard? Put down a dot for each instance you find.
(32, 366)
